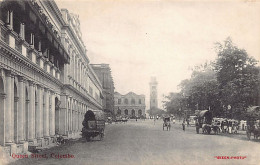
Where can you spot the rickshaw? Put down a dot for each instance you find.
(253, 125)
(167, 123)
(93, 125)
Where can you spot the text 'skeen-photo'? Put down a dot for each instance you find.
(129, 82)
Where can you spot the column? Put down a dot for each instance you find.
(71, 109)
(9, 19)
(52, 115)
(38, 113)
(80, 73)
(31, 110)
(13, 98)
(76, 68)
(76, 120)
(21, 109)
(2, 118)
(8, 108)
(22, 31)
(46, 120)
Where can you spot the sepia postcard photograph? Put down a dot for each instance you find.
(130, 82)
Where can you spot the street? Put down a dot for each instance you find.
(142, 142)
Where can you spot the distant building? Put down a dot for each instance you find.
(103, 71)
(129, 105)
(153, 93)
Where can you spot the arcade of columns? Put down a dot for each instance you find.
(35, 111)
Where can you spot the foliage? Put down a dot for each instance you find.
(232, 79)
(238, 77)
(155, 111)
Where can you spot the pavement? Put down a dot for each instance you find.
(144, 142)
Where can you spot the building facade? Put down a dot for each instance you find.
(153, 93)
(46, 81)
(103, 71)
(130, 105)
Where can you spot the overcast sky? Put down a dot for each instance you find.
(140, 39)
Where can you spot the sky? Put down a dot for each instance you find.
(165, 39)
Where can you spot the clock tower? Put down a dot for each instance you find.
(153, 93)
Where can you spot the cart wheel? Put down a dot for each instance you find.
(248, 135)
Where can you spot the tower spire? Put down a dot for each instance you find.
(153, 93)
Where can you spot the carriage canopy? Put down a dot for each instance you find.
(94, 115)
(253, 112)
(99, 114)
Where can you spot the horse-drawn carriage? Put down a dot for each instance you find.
(253, 123)
(93, 124)
(167, 122)
(204, 121)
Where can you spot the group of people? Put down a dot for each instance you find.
(229, 126)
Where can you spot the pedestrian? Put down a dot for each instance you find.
(197, 126)
(188, 122)
(135, 118)
(230, 127)
(183, 126)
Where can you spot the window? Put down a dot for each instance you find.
(119, 101)
(126, 101)
(133, 101)
(140, 101)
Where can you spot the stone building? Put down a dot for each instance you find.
(46, 81)
(129, 105)
(103, 71)
(153, 93)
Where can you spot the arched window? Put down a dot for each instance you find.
(126, 112)
(133, 101)
(119, 112)
(139, 112)
(126, 101)
(133, 113)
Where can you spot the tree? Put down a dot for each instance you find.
(174, 104)
(155, 111)
(237, 75)
(198, 92)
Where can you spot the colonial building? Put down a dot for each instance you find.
(153, 93)
(46, 81)
(129, 105)
(103, 71)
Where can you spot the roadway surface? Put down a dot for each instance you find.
(142, 142)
